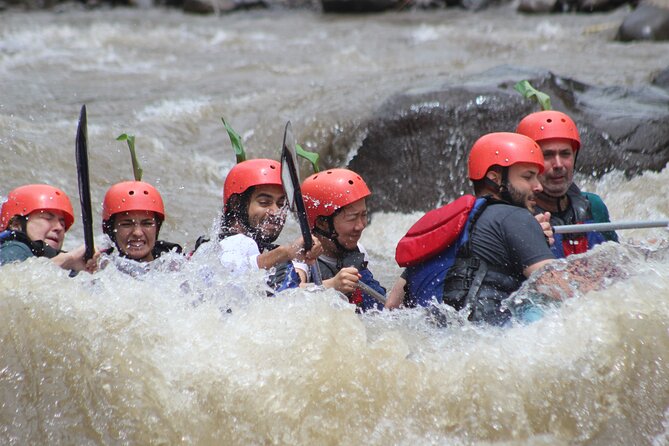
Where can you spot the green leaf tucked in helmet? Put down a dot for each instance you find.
(529, 92)
(236, 142)
(312, 157)
(136, 168)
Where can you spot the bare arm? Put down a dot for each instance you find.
(396, 295)
(288, 252)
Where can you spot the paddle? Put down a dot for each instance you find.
(610, 226)
(291, 184)
(81, 150)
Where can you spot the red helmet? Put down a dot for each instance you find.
(549, 124)
(325, 192)
(503, 149)
(36, 197)
(250, 173)
(132, 196)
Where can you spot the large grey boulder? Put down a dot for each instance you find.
(414, 154)
(650, 21)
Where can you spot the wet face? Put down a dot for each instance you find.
(267, 211)
(48, 226)
(524, 184)
(135, 234)
(559, 157)
(350, 222)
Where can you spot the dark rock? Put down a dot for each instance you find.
(359, 6)
(544, 6)
(414, 154)
(661, 79)
(220, 6)
(538, 6)
(647, 22)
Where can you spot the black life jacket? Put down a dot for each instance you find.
(474, 284)
(353, 258)
(38, 247)
(161, 247)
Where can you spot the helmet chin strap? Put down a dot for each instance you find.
(331, 234)
(501, 189)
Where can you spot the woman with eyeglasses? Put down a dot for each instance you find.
(132, 213)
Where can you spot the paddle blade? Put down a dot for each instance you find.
(289, 175)
(291, 184)
(81, 152)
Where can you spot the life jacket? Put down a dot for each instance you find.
(430, 247)
(458, 278)
(161, 247)
(355, 259)
(38, 247)
(580, 211)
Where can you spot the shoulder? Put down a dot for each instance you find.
(14, 251)
(594, 199)
(505, 211)
(238, 241)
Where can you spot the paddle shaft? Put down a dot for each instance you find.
(81, 151)
(372, 292)
(610, 226)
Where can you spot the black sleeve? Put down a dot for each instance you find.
(525, 239)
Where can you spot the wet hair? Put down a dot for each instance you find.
(236, 211)
(20, 221)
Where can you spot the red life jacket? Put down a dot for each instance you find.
(434, 232)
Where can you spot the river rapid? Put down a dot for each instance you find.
(159, 359)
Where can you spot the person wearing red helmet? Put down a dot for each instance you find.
(496, 245)
(560, 142)
(33, 221)
(132, 214)
(337, 214)
(254, 213)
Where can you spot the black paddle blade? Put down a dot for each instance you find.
(81, 150)
(291, 184)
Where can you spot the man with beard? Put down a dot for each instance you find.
(558, 137)
(254, 212)
(337, 214)
(498, 243)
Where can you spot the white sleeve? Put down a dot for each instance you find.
(303, 267)
(239, 253)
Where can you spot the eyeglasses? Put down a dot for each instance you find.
(131, 224)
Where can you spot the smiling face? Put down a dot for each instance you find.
(524, 185)
(267, 211)
(135, 234)
(559, 158)
(48, 226)
(350, 222)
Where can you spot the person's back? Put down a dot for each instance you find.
(504, 242)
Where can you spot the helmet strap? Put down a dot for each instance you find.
(330, 234)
